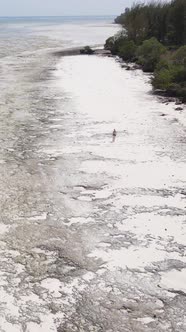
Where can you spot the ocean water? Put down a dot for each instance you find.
(21, 34)
(27, 47)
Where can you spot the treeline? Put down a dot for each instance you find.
(154, 36)
(164, 21)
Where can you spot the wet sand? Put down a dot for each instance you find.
(92, 231)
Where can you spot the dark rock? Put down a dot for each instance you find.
(124, 65)
(102, 52)
(135, 66)
(179, 109)
(160, 91)
(86, 50)
(170, 100)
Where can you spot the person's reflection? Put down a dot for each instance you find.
(114, 135)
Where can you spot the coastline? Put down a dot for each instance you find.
(76, 51)
(100, 51)
(162, 94)
(153, 36)
(130, 192)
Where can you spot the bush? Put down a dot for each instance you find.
(162, 79)
(172, 79)
(179, 74)
(87, 50)
(109, 44)
(180, 56)
(149, 54)
(114, 43)
(162, 64)
(127, 50)
(182, 93)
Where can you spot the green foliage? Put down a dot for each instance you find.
(109, 44)
(176, 22)
(162, 64)
(162, 79)
(179, 56)
(149, 54)
(115, 43)
(171, 74)
(155, 36)
(164, 21)
(127, 50)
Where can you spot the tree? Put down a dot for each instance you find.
(176, 23)
(164, 21)
(180, 56)
(149, 54)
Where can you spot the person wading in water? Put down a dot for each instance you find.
(114, 135)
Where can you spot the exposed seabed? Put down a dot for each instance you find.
(92, 232)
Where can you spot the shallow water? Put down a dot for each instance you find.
(92, 232)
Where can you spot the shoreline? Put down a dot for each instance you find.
(161, 94)
(76, 51)
(83, 217)
(156, 92)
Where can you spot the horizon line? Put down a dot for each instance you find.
(83, 15)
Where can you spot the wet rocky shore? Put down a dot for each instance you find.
(92, 232)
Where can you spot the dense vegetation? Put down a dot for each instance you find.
(154, 36)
